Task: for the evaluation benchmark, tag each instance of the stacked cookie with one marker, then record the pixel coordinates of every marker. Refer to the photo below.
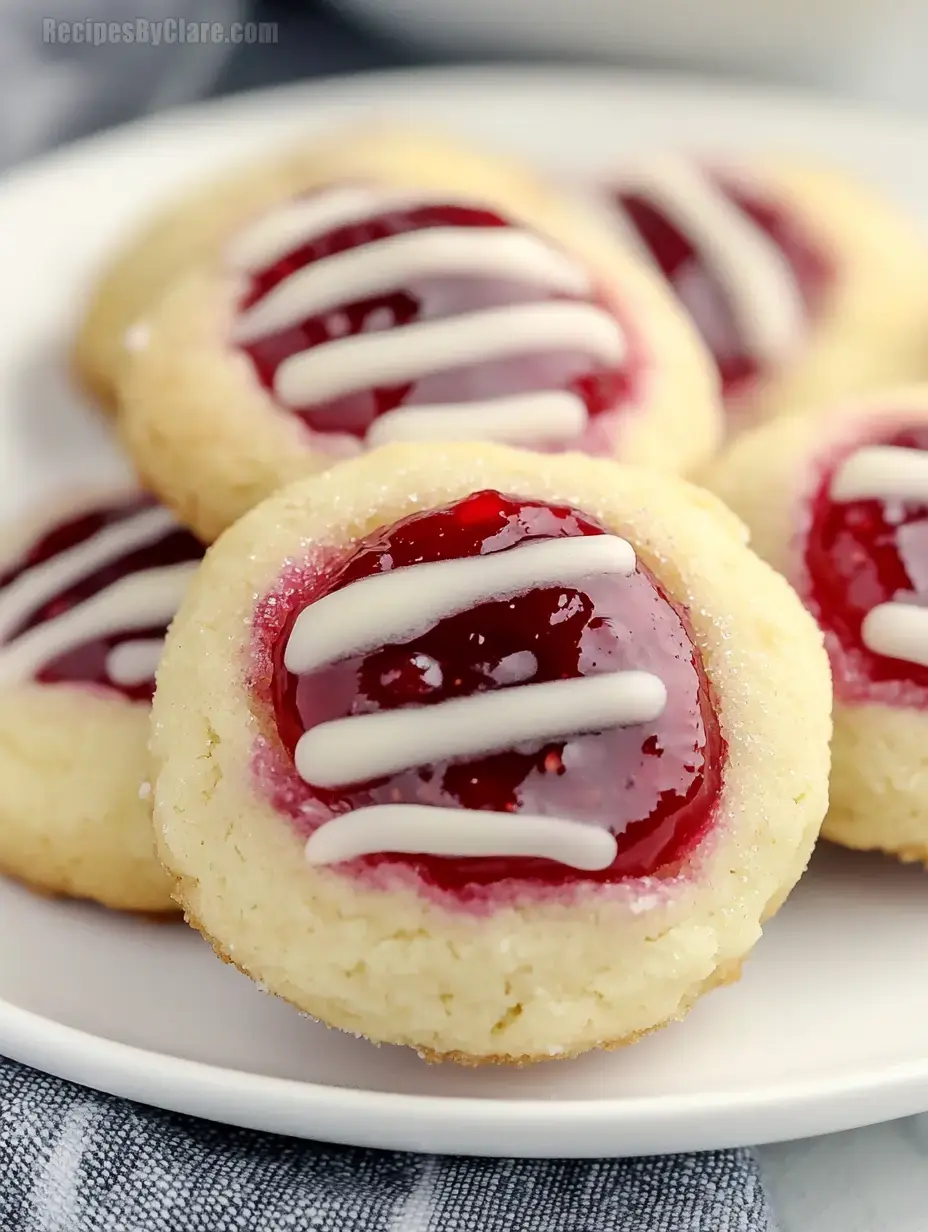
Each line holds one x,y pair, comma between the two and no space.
479,728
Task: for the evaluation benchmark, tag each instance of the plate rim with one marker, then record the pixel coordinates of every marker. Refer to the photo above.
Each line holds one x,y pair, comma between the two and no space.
201,1089
440,1123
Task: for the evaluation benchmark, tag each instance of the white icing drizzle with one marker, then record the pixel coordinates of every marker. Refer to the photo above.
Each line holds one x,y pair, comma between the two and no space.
410,352
552,418
402,604
376,269
882,472
347,365
37,585
761,286
890,473
136,601
418,829
282,231
898,631
132,663
367,746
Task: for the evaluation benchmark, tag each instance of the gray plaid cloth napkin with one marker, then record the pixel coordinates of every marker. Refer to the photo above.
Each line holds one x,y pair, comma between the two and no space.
72,1160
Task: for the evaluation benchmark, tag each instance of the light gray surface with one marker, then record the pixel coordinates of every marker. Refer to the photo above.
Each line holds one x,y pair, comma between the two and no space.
868,1180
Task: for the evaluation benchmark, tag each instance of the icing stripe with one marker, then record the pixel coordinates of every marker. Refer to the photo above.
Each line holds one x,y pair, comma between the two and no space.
368,746
764,295
37,585
417,829
276,234
402,604
132,663
521,419
882,472
344,365
137,601
410,352
898,631
386,265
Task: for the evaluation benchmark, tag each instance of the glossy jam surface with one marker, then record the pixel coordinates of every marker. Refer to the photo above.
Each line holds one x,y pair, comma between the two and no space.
699,292
860,554
656,785
86,664
425,299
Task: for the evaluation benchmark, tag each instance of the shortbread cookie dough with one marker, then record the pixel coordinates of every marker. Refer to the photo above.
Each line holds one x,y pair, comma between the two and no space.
87,589
497,755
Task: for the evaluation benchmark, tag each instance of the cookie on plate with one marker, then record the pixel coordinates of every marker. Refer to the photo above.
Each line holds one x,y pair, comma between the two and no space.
87,589
403,289
806,285
498,755
839,505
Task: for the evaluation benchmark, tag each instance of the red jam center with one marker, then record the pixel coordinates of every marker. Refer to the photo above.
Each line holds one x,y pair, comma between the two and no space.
699,291
87,662
424,299
860,554
655,785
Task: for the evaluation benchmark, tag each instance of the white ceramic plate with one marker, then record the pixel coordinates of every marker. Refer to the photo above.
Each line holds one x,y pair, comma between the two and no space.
828,1028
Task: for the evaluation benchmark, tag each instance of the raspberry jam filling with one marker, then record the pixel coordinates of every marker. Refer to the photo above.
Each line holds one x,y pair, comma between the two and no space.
859,555
90,600
404,269
654,784
699,288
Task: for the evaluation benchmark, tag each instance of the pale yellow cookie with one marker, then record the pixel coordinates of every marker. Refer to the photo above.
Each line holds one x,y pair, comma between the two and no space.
807,284
89,585
447,295
545,905
75,817
843,518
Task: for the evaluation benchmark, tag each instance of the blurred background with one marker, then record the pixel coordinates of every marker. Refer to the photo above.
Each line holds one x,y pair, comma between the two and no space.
55,85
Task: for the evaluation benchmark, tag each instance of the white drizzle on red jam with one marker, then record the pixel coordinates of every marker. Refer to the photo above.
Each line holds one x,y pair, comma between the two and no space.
650,782
397,318
866,566
88,601
739,262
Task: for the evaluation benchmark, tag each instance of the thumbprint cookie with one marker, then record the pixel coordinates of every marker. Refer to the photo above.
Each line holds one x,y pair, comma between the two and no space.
499,755
839,505
805,285
405,292
86,593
